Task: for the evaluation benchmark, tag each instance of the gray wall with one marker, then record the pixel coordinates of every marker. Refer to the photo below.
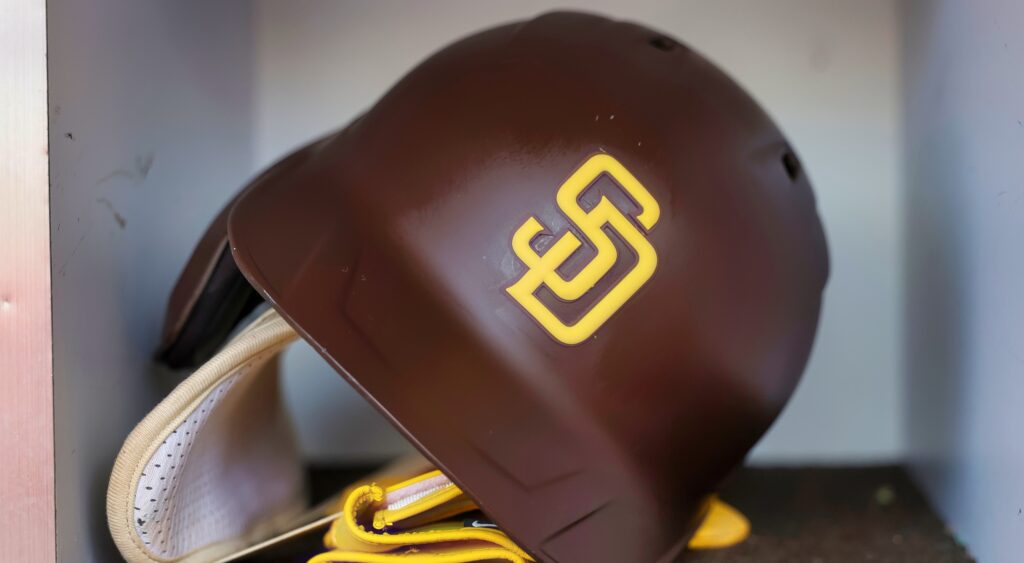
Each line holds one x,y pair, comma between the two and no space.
827,70
150,128
964,100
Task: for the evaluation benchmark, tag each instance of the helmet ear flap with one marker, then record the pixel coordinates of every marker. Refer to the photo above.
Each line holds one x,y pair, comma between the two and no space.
209,299
212,297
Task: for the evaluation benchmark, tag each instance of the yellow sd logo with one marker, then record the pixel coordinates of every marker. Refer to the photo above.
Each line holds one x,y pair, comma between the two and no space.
542,270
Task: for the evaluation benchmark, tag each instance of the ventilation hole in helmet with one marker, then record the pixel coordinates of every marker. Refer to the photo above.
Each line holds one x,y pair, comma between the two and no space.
663,43
792,165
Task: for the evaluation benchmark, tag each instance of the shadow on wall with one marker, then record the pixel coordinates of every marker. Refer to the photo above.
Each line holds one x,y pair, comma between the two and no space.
935,313
934,266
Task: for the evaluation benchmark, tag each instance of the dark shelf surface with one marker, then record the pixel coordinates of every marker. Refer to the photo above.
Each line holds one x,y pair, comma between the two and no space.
834,515
808,515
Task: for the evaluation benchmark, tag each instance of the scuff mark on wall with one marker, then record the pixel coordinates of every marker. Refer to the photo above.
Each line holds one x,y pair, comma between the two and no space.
136,174
64,265
118,218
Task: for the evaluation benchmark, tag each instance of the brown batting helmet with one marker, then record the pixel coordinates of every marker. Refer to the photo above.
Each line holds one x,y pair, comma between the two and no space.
571,260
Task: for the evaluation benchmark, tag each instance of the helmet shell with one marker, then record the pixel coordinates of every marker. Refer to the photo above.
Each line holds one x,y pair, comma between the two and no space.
412,250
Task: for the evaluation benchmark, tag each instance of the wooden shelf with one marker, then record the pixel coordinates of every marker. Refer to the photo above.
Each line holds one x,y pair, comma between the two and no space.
835,515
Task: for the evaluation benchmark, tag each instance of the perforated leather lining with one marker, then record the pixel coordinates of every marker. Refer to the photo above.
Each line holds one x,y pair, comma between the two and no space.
215,466
226,466
165,523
